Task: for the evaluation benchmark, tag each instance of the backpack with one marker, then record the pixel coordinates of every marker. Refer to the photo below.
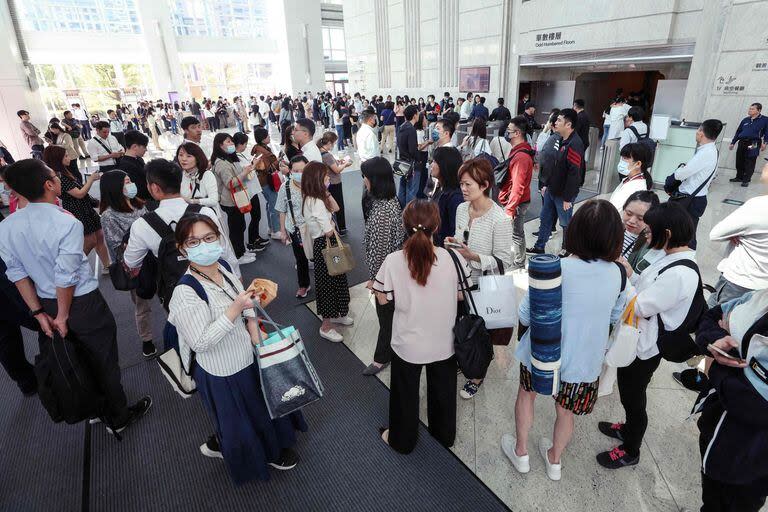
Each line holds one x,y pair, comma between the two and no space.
170,361
66,384
677,346
501,172
649,143
171,265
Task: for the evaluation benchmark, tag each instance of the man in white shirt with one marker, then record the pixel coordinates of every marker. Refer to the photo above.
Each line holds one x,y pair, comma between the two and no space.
697,175
303,134
367,140
466,108
619,109
82,117
163,183
104,148
636,128
116,127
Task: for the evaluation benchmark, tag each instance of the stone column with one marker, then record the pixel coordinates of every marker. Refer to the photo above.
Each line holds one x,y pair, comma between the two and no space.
160,41
305,45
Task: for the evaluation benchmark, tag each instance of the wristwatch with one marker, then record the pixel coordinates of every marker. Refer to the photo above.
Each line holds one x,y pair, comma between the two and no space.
37,312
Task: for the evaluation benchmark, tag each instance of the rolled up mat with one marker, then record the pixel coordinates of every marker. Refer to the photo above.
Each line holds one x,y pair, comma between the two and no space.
546,299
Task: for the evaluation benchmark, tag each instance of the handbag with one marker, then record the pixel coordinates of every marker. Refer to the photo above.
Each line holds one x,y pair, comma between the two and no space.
338,258
240,196
403,167
288,379
622,343
472,343
496,299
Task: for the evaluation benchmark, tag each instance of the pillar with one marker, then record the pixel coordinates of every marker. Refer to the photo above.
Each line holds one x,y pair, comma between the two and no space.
304,43
160,42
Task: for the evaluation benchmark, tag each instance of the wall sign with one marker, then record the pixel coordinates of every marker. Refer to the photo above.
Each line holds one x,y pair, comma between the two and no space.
760,66
549,39
728,84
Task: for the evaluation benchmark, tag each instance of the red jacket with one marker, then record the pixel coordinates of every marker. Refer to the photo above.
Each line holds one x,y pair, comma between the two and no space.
517,189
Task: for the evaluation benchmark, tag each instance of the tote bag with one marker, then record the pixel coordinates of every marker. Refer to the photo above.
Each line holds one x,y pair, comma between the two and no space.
496,300
240,197
622,347
338,258
288,379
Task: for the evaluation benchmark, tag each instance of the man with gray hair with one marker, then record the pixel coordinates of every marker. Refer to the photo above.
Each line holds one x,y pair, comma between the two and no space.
367,139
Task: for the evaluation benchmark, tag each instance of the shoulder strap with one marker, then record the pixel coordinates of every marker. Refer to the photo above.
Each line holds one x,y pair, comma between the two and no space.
193,208
193,283
623,275
224,263
462,278
108,150
701,186
634,130
685,262
158,224
290,203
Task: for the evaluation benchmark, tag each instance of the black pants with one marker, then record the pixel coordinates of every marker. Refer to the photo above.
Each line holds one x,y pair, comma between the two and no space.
92,324
696,209
85,129
302,264
213,123
37,151
13,359
385,313
253,227
236,225
404,403
338,194
745,165
722,497
633,382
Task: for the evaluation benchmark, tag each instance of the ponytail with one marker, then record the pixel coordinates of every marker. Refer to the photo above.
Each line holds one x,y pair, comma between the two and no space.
421,219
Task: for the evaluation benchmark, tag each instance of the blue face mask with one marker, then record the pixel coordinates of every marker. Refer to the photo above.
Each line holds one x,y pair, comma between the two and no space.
130,190
230,150
205,254
435,135
296,176
623,167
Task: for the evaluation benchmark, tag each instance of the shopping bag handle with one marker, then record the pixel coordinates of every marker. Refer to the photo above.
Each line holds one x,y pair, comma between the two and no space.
336,236
266,318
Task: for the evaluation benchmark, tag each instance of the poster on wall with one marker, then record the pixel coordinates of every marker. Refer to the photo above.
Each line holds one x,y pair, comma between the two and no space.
475,79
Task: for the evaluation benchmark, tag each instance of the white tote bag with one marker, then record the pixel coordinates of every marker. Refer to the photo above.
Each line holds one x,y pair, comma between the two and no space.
622,347
496,301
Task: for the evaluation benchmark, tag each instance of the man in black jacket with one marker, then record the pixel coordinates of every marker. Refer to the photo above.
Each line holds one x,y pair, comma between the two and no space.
582,125
408,149
564,182
500,113
133,162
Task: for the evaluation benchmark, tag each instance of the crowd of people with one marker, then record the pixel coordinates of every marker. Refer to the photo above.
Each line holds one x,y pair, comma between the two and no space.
446,212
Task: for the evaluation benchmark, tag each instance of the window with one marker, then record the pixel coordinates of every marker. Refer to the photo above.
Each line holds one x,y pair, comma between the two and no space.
333,44
112,16
228,79
220,18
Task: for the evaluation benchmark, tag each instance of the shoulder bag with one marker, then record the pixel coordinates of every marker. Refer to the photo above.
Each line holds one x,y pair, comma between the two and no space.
239,194
338,258
472,343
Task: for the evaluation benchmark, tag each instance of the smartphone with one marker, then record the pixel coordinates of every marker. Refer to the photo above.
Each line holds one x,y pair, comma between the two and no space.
723,353
454,245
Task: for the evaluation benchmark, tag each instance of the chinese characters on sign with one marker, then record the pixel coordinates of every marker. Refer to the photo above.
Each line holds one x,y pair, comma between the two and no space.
728,84
760,66
546,39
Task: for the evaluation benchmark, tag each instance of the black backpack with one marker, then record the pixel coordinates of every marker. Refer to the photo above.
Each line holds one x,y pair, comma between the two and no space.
501,172
677,345
65,383
646,141
171,265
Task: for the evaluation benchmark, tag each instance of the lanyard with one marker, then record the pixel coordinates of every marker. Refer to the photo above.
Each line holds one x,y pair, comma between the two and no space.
204,276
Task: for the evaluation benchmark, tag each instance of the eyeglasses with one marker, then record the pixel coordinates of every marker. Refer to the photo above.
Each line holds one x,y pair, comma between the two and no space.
194,242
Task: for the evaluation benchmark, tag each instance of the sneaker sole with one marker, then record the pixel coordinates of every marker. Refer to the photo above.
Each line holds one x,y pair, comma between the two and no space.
210,453
120,430
466,396
283,468
511,458
332,340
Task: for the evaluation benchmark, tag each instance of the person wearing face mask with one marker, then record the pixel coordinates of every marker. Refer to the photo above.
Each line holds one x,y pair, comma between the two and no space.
633,165
255,242
132,164
219,333
231,174
120,207
288,206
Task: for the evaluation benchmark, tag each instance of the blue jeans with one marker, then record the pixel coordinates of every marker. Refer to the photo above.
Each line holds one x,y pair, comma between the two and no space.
273,219
174,126
606,129
340,132
552,209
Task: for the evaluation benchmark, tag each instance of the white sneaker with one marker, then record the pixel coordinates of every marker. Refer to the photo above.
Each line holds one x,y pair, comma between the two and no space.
522,463
246,258
276,236
553,470
332,335
343,320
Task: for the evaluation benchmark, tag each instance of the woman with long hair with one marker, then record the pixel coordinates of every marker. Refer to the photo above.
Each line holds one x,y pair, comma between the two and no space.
231,175
119,207
423,282
59,137
198,182
288,205
476,143
255,242
446,192
633,165
384,234
221,332
637,236
210,117
318,207
325,145
152,124
266,165
75,199
338,122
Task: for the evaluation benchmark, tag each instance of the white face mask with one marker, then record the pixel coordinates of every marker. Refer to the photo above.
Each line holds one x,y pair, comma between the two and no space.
623,167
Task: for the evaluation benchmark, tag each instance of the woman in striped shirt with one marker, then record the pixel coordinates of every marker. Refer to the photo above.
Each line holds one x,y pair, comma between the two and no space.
217,330
483,234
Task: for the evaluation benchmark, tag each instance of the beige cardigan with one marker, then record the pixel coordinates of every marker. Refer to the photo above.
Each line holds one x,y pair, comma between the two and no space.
65,141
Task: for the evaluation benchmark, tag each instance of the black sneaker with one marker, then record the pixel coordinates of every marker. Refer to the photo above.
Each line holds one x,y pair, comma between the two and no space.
611,429
745,184
256,247
288,460
148,349
534,250
211,448
691,379
135,413
536,233
616,458
735,180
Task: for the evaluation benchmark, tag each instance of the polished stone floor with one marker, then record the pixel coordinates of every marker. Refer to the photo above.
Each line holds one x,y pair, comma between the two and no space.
667,477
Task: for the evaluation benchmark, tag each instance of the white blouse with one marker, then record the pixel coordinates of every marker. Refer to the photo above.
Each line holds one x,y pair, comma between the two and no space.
489,235
626,188
222,348
317,217
204,188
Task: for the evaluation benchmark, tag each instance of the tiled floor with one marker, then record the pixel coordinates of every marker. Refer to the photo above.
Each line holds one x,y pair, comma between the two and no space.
667,477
